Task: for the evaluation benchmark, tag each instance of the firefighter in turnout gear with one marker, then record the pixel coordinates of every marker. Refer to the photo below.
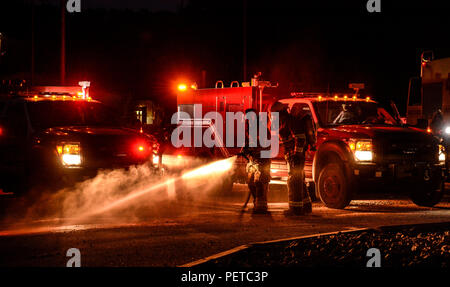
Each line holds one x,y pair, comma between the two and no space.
296,135
258,168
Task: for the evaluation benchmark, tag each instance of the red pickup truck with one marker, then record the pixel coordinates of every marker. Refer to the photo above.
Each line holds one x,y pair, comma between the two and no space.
359,142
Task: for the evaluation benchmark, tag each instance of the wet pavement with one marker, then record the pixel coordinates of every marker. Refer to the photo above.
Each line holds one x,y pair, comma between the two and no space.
193,230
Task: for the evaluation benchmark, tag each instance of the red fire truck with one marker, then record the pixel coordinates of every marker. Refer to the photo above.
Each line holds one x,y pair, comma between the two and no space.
257,95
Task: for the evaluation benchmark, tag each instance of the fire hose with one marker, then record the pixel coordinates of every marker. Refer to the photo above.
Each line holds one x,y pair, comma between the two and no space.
249,192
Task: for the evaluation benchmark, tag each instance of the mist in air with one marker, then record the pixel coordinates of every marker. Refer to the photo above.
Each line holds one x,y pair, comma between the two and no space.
126,195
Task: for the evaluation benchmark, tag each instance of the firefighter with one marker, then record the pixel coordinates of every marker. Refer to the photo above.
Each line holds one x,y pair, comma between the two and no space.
296,133
258,169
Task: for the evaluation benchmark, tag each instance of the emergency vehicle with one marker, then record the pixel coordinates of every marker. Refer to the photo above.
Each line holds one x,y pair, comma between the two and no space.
59,135
238,97
358,142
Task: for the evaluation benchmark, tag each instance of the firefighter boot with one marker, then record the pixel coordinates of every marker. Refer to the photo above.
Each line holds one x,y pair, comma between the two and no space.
261,199
307,206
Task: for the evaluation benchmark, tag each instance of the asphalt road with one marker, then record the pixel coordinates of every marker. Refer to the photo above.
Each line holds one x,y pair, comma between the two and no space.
191,231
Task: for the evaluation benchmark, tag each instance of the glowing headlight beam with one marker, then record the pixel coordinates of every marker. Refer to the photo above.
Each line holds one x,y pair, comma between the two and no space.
69,153
71,159
363,155
362,149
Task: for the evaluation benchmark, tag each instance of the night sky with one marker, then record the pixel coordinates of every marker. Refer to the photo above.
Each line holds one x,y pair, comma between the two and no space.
140,49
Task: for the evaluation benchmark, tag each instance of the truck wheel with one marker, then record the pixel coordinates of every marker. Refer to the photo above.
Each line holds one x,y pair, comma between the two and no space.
333,186
428,194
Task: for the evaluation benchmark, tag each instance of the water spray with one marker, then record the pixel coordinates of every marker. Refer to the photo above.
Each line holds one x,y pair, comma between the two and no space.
210,170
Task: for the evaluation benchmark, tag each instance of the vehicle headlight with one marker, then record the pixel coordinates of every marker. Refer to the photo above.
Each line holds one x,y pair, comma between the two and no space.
155,159
447,130
362,149
441,153
70,154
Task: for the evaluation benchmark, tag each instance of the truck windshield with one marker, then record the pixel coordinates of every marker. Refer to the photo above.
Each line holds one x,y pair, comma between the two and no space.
334,113
47,114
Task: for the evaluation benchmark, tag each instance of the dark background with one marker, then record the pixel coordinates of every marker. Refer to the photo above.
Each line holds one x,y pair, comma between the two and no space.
141,49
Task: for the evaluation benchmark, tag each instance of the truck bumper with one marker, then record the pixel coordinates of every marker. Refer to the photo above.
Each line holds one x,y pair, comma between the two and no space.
421,171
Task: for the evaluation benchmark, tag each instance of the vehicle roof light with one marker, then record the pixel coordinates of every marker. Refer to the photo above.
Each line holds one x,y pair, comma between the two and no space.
182,87
335,98
367,99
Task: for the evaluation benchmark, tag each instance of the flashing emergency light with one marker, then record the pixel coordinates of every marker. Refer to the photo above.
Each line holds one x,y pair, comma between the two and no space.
182,87
141,150
429,130
367,99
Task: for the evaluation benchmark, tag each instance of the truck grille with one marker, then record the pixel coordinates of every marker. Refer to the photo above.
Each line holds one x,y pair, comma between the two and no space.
387,151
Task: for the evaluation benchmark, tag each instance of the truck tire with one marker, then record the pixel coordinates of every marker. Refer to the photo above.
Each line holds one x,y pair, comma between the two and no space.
427,195
333,186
